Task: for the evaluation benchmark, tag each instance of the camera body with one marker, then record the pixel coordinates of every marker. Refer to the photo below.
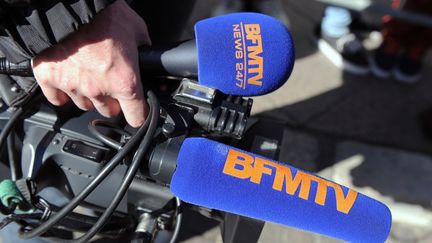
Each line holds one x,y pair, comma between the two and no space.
59,151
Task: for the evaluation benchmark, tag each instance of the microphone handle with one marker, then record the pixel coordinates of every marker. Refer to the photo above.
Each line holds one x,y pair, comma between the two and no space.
171,59
23,69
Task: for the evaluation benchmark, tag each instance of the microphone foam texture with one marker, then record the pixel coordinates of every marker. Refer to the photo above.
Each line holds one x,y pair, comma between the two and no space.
245,54
217,176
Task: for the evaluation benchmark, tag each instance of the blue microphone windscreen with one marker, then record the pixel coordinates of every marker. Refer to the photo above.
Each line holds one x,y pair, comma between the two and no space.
245,54
215,175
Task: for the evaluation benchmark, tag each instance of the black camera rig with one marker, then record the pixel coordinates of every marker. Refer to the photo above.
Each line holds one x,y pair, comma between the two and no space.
73,153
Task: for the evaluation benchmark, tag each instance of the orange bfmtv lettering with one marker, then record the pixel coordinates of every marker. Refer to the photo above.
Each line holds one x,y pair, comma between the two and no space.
244,166
248,50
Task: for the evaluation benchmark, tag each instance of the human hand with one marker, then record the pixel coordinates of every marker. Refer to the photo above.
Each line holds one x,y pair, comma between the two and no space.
97,66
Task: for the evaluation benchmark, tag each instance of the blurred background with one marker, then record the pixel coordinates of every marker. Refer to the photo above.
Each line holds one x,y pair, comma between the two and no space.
357,108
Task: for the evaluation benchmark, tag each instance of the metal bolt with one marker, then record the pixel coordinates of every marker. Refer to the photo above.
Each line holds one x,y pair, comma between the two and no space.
168,129
15,89
56,141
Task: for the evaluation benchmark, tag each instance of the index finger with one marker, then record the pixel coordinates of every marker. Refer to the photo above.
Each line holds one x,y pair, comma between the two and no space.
134,110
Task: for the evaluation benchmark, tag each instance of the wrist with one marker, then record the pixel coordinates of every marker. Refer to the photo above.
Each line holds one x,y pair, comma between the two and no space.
121,18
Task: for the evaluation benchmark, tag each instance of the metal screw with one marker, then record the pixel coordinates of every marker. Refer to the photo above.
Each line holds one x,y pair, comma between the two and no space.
168,129
15,89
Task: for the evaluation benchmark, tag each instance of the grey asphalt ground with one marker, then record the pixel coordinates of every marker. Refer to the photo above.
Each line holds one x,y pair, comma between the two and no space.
362,132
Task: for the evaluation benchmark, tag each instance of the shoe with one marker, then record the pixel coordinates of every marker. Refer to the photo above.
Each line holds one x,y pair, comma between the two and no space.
408,68
346,52
383,60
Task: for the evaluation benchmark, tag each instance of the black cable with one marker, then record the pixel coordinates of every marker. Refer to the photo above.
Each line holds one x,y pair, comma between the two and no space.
179,219
5,134
104,139
77,222
130,174
10,126
14,164
45,226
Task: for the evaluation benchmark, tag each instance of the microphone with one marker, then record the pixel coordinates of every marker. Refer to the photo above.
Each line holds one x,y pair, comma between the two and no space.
246,54
218,176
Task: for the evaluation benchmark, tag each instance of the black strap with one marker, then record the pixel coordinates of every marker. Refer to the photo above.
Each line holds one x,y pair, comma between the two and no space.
27,189
18,217
81,223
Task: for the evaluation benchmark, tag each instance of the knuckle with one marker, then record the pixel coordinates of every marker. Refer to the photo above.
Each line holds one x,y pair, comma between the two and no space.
93,94
43,74
91,91
127,85
105,65
69,87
